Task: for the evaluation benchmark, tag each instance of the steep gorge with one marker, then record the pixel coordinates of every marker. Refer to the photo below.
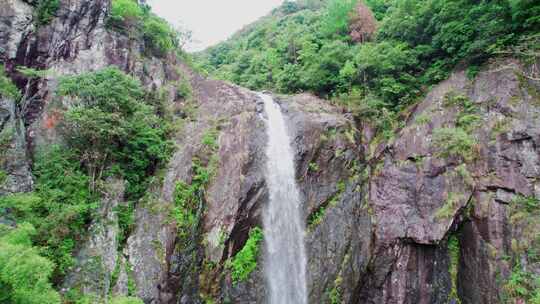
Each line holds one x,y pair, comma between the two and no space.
404,220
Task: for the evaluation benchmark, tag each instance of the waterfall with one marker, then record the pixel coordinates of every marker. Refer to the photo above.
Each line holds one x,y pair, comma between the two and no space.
285,260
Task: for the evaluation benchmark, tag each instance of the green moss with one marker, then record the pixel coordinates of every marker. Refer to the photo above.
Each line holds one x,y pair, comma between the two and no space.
317,216
449,207
528,203
454,254
188,198
423,119
210,138
464,173
245,261
131,284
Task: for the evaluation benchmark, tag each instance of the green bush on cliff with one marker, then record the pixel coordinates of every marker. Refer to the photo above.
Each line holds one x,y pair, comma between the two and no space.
454,142
245,261
7,88
46,10
24,274
112,122
159,37
187,200
125,13
60,208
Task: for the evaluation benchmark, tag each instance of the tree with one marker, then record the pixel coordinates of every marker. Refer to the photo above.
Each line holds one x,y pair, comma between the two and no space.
111,122
337,17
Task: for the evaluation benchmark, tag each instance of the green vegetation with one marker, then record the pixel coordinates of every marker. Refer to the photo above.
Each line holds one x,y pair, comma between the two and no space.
113,127
126,300
188,198
112,122
311,46
245,261
115,124
423,119
7,88
184,89
524,213
317,216
453,252
24,274
159,37
77,298
449,208
59,209
522,285
45,10
3,177
313,167
458,141
454,142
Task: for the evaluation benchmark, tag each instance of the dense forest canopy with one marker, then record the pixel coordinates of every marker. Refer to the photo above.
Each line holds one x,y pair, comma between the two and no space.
373,59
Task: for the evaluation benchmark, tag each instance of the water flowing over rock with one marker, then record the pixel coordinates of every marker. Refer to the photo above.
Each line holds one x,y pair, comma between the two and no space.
285,259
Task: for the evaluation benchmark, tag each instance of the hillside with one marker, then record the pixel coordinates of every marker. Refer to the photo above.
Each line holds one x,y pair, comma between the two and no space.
395,158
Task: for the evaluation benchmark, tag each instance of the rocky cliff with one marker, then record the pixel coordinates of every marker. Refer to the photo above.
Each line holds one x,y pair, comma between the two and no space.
432,215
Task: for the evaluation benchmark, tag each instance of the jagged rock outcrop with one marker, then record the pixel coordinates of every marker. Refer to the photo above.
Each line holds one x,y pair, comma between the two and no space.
379,215
420,198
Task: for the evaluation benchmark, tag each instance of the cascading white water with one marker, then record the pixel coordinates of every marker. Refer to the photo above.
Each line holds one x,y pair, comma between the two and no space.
285,260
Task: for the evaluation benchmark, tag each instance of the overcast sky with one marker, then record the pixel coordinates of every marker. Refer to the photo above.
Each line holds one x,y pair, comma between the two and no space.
212,21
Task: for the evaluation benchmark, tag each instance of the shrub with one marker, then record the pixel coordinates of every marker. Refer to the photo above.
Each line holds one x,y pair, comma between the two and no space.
158,35
24,274
245,261
60,208
454,142
183,89
46,10
7,88
125,13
